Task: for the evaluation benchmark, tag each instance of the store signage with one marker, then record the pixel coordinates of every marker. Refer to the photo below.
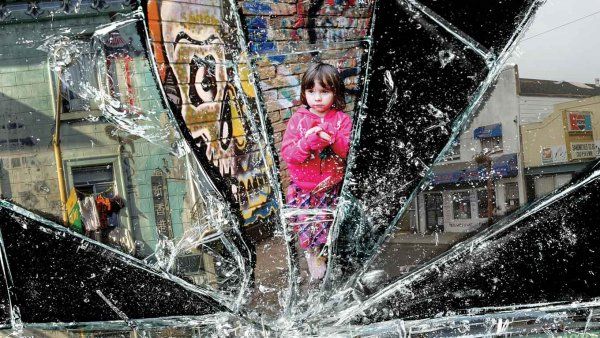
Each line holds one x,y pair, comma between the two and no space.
580,150
579,121
554,154
160,199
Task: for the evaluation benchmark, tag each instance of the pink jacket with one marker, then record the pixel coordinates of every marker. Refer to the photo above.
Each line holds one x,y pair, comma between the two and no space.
308,169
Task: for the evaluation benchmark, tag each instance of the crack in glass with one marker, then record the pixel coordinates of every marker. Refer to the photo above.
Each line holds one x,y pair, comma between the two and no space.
158,161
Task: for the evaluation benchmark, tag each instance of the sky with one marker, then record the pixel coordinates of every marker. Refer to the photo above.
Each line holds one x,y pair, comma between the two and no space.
568,53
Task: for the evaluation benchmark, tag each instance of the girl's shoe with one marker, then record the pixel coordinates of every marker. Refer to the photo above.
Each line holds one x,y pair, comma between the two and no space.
317,265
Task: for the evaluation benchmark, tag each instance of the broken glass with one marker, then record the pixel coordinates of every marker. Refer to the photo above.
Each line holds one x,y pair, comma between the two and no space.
394,154
107,285
121,150
532,240
144,190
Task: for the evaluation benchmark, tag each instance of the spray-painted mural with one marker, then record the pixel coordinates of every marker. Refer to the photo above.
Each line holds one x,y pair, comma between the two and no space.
197,72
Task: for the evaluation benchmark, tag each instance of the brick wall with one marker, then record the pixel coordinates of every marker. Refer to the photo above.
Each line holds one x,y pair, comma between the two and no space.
285,36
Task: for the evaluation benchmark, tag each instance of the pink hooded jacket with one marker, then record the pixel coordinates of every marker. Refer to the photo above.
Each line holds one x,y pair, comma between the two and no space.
308,169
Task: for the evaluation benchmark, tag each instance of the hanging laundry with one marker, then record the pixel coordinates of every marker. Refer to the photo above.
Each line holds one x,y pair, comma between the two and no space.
113,220
122,238
89,213
74,212
104,210
116,204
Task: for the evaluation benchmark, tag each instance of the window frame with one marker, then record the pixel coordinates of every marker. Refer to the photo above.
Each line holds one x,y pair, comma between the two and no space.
468,195
95,184
55,82
509,208
120,184
485,208
499,148
438,209
452,154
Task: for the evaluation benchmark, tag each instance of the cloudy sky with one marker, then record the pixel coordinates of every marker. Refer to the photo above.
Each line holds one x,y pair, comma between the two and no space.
569,53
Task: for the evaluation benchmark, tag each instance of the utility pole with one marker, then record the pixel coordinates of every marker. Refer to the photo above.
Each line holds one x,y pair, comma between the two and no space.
60,173
484,158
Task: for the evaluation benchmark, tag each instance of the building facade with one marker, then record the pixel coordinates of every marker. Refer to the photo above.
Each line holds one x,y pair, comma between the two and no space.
561,145
519,122
82,118
457,201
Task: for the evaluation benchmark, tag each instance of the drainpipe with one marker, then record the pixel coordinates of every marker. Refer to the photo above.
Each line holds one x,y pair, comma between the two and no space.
60,173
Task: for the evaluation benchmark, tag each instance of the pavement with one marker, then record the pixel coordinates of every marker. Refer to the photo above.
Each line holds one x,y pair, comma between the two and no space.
402,252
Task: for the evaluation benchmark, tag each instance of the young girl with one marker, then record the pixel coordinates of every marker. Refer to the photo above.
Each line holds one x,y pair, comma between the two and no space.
315,146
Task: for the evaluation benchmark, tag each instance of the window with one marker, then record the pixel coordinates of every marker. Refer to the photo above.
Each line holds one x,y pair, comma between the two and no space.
461,205
511,191
548,183
482,203
78,81
434,212
491,143
91,180
544,185
454,151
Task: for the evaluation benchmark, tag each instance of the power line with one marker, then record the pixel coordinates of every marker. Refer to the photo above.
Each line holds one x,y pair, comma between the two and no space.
563,25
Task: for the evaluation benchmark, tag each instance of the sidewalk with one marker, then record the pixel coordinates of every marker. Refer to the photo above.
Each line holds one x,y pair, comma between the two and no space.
400,254
444,238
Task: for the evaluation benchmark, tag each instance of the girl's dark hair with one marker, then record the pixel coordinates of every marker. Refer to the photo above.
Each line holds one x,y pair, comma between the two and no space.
328,77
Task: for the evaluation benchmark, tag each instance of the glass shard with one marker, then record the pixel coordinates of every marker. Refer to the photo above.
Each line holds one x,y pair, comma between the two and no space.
60,276
394,152
476,274
504,19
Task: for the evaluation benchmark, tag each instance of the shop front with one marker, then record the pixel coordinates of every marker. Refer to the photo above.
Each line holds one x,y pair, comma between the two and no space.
458,200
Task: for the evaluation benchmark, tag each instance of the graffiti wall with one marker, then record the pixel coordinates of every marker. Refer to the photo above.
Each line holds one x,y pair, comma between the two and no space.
283,37
198,64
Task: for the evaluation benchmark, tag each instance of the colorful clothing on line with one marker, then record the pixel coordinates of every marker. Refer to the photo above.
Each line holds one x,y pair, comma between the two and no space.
89,213
104,210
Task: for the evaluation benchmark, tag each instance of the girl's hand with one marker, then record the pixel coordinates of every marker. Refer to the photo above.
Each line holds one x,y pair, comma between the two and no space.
313,130
324,136
315,142
329,130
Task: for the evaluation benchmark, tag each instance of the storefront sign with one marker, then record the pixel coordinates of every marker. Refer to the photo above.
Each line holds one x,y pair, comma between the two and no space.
502,166
580,150
492,130
579,121
554,154
160,199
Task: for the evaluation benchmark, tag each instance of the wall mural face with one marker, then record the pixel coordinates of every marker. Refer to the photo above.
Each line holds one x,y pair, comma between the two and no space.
197,74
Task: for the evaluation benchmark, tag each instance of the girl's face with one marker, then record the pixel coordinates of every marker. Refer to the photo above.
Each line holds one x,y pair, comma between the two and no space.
319,98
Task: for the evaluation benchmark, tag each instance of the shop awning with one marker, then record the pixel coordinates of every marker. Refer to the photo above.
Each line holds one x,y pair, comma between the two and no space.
502,166
505,166
492,130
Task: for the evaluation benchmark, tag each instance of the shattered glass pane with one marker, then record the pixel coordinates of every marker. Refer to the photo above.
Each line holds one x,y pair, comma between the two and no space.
395,154
106,285
127,178
147,188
